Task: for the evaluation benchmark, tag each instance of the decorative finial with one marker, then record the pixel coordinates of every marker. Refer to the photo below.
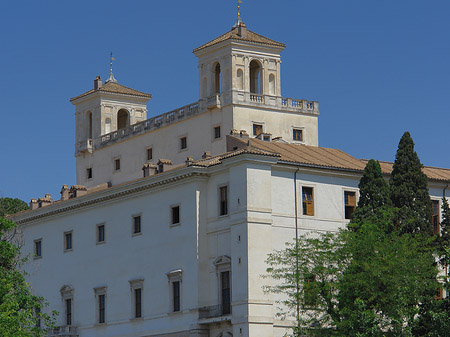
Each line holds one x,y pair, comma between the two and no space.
111,75
238,20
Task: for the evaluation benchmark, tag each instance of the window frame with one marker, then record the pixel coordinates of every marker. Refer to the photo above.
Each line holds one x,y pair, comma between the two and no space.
133,224
65,241
89,174
305,208
174,277
67,295
172,207
149,150
253,128
436,216
355,195
97,233
183,142
137,284
101,313
217,134
36,243
302,134
221,211
117,164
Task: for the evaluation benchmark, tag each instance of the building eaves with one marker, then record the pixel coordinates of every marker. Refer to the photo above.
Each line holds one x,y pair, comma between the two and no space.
114,88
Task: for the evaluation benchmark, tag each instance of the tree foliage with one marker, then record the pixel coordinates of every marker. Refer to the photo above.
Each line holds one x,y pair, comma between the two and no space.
409,190
20,311
11,206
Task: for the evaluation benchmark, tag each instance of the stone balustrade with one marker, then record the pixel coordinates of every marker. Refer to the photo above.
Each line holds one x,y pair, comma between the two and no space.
216,101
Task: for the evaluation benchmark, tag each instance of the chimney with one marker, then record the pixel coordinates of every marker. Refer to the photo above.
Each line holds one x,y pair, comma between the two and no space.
33,204
163,164
45,201
149,169
267,137
65,193
77,191
243,134
98,83
206,154
189,161
242,30
234,132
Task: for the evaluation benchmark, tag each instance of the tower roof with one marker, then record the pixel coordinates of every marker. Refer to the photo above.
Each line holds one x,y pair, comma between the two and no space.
114,88
236,34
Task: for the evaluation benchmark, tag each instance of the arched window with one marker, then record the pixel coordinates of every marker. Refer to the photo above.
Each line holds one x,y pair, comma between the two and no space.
255,77
217,78
272,84
107,125
240,79
123,119
89,117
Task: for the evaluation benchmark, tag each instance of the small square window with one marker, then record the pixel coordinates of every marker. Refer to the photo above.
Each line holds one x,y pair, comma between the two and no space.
217,132
297,134
183,143
257,129
149,153
38,248
68,241
117,164
175,215
136,224
89,172
100,233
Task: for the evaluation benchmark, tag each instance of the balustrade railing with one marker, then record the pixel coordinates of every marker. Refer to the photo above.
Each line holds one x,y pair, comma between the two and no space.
195,108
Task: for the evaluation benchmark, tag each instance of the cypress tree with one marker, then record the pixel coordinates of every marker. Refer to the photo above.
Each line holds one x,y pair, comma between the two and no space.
409,191
444,239
374,203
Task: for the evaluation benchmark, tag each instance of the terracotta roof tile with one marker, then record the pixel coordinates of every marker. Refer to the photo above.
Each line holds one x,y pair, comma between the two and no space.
250,37
434,173
115,88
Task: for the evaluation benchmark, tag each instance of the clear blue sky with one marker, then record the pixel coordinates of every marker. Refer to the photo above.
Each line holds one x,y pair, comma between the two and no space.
378,68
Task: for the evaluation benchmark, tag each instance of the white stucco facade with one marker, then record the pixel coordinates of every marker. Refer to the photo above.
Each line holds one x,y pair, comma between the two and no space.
158,255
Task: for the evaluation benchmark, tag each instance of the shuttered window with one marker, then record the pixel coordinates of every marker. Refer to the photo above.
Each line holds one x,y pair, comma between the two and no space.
308,201
350,203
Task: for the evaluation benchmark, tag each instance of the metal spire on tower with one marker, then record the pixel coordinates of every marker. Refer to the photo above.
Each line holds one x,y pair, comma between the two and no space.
238,20
111,75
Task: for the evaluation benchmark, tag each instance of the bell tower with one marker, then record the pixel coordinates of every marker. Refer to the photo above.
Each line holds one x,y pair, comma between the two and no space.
240,60
104,110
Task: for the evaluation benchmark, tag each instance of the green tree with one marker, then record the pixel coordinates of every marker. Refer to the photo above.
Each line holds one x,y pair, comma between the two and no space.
20,311
374,202
444,239
409,191
11,206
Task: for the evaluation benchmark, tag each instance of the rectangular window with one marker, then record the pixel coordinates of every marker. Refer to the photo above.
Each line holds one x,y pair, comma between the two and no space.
257,129
69,311
183,143
223,195
38,248
175,215
226,292
350,203
101,233
89,172
310,291
138,303
176,295
67,240
101,308
136,224
149,153
117,164
436,217
308,201
217,132
297,134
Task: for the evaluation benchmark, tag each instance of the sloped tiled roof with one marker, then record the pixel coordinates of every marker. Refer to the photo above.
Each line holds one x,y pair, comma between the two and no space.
214,160
115,88
233,34
435,173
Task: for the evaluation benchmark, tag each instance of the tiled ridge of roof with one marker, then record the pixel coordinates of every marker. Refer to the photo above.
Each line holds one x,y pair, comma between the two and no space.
115,88
435,173
250,37
310,155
